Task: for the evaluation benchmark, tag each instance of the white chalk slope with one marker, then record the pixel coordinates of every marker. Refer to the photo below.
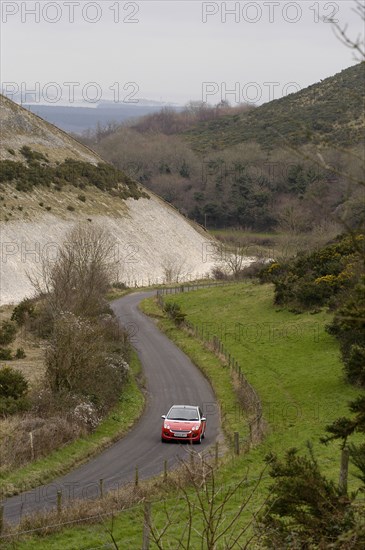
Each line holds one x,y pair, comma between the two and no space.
154,243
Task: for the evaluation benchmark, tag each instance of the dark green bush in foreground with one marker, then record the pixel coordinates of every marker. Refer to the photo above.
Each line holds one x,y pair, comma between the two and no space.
7,333
13,391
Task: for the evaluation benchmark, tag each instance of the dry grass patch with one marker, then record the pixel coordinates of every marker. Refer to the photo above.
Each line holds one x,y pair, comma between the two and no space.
24,439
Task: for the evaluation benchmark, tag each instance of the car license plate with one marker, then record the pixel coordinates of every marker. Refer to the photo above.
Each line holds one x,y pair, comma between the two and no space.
180,435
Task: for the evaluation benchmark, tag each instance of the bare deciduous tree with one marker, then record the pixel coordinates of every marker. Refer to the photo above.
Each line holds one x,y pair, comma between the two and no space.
231,260
79,277
356,44
174,269
213,513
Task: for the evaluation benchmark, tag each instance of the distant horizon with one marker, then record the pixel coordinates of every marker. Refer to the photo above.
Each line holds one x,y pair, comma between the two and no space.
145,101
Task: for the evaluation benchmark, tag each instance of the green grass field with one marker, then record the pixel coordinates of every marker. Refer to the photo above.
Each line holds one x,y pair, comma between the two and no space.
292,363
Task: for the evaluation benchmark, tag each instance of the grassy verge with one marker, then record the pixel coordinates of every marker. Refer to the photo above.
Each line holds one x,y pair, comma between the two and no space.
116,293
114,426
292,363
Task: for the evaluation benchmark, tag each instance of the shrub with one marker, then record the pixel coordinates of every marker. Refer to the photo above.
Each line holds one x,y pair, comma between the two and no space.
7,333
32,155
78,362
173,310
219,274
319,278
253,270
86,414
13,391
304,508
348,326
38,171
20,353
120,285
10,170
70,208
23,311
82,198
6,354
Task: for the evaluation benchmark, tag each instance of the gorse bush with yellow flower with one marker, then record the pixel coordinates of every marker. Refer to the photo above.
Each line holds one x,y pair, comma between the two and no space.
319,278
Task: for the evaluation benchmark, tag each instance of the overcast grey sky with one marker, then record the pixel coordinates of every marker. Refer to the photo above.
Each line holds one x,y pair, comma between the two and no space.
172,50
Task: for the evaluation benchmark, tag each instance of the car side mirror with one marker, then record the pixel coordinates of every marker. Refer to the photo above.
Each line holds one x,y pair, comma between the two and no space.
163,416
203,419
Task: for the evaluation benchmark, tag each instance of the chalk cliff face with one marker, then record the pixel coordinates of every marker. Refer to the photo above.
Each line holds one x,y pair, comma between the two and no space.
154,241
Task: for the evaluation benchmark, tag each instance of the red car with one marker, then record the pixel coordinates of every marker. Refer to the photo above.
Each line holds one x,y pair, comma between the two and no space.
184,423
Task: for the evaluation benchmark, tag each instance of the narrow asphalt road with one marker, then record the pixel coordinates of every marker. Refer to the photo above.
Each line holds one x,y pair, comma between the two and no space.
170,378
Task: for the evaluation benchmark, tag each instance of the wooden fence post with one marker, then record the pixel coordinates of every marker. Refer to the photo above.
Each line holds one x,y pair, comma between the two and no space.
146,525
165,470
236,443
59,502
344,470
136,477
192,460
1,519
101,487
31,442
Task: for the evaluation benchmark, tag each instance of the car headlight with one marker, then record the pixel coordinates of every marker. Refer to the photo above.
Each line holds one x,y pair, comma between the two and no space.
195,427
167,426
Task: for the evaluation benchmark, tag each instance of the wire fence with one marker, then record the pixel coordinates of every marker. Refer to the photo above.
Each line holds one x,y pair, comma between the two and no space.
250,400
178,289
131,281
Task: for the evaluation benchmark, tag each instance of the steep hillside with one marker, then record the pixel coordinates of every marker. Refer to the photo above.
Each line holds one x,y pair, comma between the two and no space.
330,112
40,201
20,128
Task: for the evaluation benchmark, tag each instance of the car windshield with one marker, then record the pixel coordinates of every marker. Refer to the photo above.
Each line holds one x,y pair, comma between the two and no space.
180,413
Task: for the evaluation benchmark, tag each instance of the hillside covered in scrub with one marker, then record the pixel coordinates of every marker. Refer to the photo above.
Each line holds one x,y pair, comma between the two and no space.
288,165
49,182
329,113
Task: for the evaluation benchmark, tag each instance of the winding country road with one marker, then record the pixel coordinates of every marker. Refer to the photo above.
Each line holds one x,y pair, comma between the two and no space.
170,378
